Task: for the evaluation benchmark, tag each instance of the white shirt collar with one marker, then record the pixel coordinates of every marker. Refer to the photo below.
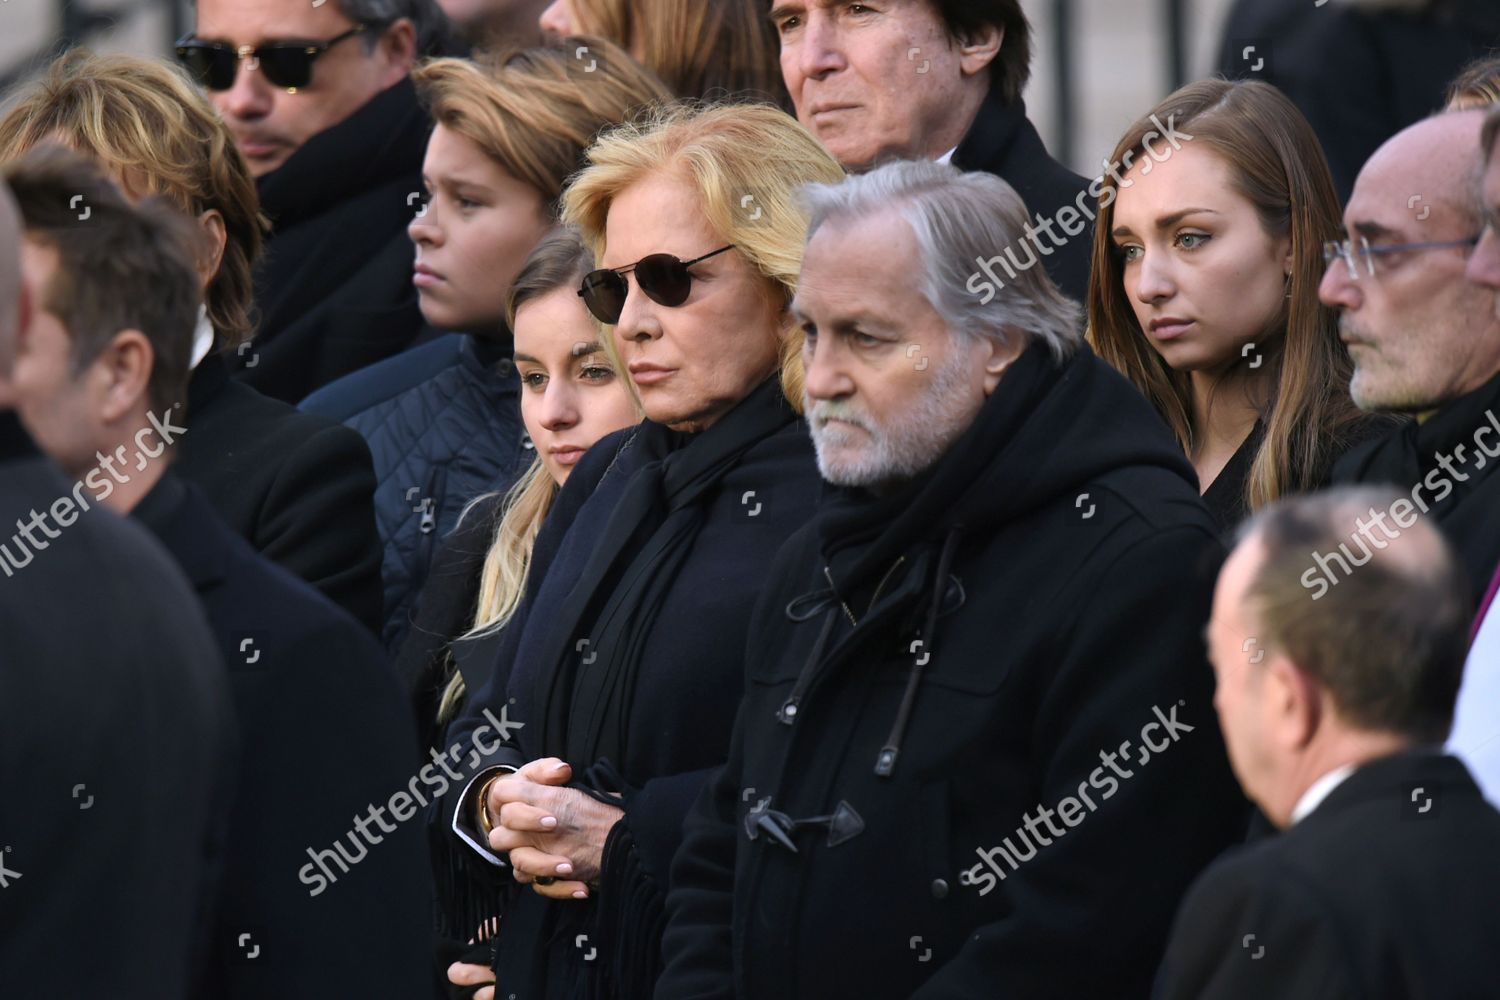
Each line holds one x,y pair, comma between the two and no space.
203,337
1318,791
948,156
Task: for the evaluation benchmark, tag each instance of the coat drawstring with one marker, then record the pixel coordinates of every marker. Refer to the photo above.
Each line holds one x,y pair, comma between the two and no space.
922,648
787,714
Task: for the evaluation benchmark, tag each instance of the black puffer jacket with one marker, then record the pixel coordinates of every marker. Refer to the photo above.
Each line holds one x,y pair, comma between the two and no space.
1028,638
443,421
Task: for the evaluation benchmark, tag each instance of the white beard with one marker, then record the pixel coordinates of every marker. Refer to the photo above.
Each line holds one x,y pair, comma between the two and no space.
911,443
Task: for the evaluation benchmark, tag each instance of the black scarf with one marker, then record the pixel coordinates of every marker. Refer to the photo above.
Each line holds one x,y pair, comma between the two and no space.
595,643
1047,428
381,142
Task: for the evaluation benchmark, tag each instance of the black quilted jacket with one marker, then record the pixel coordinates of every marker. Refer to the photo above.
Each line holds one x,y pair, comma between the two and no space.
443,421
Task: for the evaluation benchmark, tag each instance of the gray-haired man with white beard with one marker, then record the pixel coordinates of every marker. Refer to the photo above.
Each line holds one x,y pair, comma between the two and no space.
956,762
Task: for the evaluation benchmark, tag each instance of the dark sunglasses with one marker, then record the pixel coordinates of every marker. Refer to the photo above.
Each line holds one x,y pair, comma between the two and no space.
285,64
665,280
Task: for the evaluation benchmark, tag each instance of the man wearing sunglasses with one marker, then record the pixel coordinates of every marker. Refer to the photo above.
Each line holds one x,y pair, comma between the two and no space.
318,98
1424,339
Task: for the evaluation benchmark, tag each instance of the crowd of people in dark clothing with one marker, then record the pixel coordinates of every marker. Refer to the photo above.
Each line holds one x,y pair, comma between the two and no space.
687,499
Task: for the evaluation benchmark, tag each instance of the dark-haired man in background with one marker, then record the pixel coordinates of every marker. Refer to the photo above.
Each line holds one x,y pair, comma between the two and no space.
934,80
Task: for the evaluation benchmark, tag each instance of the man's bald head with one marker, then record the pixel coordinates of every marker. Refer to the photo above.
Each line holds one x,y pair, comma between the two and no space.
1420,333
12,298
1439,159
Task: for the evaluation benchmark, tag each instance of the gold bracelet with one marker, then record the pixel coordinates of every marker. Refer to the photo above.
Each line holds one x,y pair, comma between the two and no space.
485,822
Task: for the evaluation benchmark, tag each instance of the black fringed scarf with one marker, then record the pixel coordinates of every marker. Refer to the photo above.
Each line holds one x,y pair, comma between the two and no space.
596,641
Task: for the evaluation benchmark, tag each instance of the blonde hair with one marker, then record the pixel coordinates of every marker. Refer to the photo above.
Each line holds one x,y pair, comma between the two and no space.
703,49
748,163
560,260
147,124
1477,87
534,111
502,581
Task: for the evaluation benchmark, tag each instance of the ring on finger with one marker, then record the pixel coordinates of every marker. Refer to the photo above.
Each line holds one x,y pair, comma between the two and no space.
544,879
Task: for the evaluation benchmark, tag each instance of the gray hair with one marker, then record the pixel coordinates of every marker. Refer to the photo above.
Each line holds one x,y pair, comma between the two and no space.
379,13
960,221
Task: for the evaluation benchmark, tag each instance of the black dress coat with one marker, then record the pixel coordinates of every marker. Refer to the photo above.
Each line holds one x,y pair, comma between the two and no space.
678,710
116,748
1466,500
299,488
1002,141
334,288
1386,891
324,736
1029,634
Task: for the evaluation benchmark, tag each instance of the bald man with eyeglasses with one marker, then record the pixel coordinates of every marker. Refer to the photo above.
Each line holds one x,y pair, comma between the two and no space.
1424,338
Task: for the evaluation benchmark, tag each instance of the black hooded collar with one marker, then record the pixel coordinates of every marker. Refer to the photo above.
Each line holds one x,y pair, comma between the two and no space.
1048,429
381,142
15,443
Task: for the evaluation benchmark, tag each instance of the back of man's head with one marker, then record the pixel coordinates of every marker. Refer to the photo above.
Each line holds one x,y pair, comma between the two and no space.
1386,641
119,266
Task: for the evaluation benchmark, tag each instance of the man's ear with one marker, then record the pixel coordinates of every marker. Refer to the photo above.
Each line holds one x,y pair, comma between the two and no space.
124,369
997,355
1294,701
215,236
399,46
978,49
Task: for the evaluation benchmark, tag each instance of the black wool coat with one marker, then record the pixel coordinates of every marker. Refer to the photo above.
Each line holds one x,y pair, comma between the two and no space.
116,746
1002,141
1029,635
1385,891
299,488
1463,495
324,736
334,287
